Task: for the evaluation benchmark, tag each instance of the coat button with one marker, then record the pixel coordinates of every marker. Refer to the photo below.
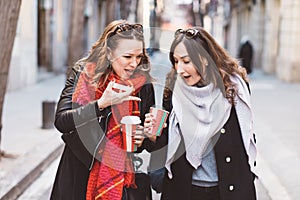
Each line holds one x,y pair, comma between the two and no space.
228,159
231,187
222,130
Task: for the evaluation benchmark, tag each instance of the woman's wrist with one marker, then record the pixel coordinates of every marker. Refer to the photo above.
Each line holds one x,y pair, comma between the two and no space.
101,104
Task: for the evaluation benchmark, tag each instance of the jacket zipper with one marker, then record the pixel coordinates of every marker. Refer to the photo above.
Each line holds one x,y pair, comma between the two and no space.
95,151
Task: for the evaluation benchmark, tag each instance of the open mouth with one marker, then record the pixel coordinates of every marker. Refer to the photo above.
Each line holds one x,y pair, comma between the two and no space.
186,76
129,71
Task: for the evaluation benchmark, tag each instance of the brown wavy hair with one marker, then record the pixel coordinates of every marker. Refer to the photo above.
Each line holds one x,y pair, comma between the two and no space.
218,68
109,40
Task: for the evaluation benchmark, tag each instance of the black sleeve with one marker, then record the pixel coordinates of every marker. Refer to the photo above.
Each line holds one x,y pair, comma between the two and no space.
79,124
159,149
148,99
70,116
162,141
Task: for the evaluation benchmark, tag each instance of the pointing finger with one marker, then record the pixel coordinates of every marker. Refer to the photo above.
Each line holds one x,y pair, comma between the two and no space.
132,98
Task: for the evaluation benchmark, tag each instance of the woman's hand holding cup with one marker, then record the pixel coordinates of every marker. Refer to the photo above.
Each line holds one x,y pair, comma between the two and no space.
139,135
148,126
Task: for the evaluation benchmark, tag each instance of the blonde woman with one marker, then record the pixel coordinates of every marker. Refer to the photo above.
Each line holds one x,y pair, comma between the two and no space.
93,164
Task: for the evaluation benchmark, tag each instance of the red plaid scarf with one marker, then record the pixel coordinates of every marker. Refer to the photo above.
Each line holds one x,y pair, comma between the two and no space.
108,177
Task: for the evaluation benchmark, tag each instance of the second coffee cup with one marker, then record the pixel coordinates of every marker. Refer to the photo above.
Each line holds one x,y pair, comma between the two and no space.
160,116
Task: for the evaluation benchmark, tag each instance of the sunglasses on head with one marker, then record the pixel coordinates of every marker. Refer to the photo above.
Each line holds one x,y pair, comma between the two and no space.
189,33
123,28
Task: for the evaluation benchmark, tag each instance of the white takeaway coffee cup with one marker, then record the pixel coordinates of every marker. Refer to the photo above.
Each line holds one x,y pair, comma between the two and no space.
129,125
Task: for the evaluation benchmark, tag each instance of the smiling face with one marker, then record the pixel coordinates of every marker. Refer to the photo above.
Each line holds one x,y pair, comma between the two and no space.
126,57
184,66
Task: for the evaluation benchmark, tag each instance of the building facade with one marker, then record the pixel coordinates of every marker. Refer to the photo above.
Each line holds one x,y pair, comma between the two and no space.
271,26
41,42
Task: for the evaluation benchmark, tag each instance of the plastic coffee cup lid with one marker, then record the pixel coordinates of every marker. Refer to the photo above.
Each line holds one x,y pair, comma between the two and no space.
131,120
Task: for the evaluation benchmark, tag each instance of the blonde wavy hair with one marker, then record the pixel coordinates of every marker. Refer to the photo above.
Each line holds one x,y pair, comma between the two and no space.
109,40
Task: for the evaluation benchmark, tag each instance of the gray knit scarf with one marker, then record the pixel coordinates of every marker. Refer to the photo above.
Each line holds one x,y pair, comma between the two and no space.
197,116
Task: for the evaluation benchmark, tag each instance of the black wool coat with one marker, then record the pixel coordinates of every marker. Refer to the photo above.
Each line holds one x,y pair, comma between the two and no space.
236,181
82,129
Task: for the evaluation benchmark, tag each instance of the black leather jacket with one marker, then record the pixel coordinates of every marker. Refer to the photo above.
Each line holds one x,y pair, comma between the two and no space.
84,127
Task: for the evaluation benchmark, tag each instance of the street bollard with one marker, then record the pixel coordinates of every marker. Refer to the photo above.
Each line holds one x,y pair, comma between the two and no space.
48,114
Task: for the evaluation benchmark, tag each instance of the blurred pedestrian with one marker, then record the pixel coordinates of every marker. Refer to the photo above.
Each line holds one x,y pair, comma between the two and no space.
93,164
246,53
155,19
211,146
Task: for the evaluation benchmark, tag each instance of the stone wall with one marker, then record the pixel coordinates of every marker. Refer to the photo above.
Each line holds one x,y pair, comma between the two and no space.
23,65
288,62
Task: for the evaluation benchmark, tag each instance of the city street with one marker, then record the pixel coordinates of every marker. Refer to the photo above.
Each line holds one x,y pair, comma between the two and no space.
41,187
276,119
43,45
